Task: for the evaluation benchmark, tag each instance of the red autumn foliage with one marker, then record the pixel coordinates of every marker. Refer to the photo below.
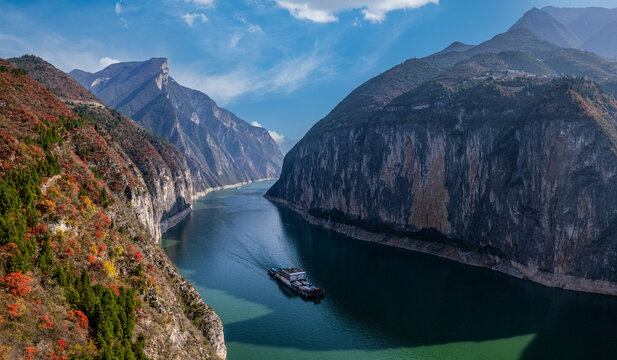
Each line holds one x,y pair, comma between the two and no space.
47,321
13,310
31,353
62,344
137,255
114,288
80,318
69,251
17,283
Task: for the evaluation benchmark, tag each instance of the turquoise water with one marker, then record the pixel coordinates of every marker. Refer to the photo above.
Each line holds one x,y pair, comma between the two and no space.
381,302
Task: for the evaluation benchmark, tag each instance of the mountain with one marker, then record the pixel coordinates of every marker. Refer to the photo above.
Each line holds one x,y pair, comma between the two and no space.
372,96
221,149
487,156
157,162
589,29
543,24
455,47
80,274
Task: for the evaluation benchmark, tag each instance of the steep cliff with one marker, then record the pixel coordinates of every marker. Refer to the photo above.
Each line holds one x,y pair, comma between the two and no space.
221,149
480,157
156,163
79,274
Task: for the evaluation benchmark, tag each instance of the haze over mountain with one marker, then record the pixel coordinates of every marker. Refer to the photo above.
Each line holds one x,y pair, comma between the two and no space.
484,155
590,29
221,148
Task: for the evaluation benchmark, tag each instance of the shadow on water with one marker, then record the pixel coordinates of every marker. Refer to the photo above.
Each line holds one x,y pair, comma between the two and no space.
378,297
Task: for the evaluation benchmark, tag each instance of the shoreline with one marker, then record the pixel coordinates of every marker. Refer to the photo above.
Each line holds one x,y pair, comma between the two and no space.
473,258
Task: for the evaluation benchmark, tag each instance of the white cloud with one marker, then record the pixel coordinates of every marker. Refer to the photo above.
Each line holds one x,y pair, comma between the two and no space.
106,61
189,18
252,29
118,8
201,3
235,38
285,76
255,29
278,138
322,11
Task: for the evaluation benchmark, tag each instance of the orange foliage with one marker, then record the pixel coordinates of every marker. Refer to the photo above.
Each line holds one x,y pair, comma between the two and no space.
31,353
17,283
13,310
80,318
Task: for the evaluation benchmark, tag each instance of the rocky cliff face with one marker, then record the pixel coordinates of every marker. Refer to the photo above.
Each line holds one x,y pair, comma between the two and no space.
166,191
221,149
483,164
521,174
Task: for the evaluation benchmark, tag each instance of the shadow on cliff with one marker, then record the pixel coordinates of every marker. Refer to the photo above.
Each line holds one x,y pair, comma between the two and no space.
399,299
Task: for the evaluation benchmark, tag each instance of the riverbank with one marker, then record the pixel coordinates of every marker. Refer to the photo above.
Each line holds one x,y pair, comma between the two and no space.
473,258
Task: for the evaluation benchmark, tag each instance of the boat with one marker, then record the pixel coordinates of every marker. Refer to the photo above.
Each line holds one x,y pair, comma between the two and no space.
295,279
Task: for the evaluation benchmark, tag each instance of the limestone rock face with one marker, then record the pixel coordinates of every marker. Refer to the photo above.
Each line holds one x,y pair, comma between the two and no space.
483,154
521,171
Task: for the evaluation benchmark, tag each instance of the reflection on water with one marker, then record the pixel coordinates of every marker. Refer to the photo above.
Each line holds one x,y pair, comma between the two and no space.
381,302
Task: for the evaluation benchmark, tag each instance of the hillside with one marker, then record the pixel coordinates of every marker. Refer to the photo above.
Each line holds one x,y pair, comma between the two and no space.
221,149
158,163
80,276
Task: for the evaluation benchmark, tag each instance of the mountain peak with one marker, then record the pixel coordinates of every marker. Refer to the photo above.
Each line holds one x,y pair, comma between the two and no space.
547,27
55,80
456,46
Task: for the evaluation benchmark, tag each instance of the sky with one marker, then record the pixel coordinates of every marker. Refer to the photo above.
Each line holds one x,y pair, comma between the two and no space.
282,64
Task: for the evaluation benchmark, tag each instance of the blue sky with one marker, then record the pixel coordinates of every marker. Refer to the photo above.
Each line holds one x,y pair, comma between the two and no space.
282,63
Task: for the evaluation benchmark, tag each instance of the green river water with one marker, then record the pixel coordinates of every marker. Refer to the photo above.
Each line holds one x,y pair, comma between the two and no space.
381,302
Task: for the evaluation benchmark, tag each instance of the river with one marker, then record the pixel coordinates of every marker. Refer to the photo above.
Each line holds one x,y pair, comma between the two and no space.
381,302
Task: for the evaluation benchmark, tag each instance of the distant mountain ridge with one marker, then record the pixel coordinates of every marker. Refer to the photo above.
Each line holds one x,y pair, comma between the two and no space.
221,148
588,29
